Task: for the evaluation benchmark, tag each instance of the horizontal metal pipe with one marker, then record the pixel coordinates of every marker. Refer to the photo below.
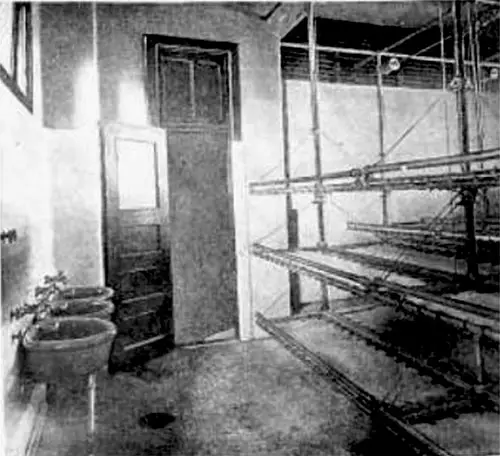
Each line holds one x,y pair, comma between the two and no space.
385,54
489,2
411,269
480,178
372,227
432,162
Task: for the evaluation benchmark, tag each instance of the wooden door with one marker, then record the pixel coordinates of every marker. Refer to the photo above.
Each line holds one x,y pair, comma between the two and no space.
192,95
137,240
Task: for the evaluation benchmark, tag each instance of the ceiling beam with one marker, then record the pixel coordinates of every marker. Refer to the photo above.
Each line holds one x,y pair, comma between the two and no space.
268,15
243,7
286,16
493,57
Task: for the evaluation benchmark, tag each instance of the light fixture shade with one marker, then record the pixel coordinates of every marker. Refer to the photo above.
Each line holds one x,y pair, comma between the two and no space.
394,64
391,66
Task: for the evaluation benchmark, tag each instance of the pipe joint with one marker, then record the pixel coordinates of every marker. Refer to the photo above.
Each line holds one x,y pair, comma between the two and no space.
319,193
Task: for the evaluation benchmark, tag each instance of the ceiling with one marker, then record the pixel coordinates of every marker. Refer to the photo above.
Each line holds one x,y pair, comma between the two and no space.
398,19
409,14
401,14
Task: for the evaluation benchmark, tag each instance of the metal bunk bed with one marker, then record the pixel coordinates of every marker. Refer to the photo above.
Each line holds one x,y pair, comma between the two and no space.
481,322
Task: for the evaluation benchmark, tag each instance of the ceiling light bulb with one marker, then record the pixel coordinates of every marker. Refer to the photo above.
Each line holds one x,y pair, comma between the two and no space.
394,64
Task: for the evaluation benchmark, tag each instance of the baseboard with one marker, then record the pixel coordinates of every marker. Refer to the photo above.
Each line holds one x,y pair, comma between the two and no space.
23,434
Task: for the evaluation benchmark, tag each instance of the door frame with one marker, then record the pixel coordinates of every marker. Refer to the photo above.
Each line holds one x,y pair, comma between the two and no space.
151,44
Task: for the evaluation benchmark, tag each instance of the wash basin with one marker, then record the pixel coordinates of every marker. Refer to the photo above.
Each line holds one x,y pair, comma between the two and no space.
85,293
84,301
61,348
83,308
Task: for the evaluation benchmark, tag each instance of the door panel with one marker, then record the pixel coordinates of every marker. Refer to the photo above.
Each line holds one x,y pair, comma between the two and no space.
202,229
208,91
137,239
178,73
193,87
203,254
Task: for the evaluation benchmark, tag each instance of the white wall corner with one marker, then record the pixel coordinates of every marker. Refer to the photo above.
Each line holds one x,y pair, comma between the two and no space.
241,217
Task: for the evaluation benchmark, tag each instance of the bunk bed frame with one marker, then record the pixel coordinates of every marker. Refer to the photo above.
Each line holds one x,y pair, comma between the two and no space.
382,176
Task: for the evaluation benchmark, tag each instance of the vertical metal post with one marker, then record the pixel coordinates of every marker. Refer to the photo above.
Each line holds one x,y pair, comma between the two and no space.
313,76
91,415
474,48
380,111
441,35
478,87
291,213
479,358
469,195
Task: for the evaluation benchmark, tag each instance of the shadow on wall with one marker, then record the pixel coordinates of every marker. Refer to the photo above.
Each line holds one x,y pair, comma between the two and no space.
16,263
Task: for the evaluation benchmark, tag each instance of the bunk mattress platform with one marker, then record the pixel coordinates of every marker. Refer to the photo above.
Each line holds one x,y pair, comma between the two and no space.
417,408
389,288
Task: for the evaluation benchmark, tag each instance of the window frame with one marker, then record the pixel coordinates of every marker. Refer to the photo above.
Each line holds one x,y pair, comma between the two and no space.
11,80
150,44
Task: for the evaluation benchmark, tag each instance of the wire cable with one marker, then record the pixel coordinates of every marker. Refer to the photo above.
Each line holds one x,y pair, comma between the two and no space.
414,125
278,227
435,223
426,27
276,299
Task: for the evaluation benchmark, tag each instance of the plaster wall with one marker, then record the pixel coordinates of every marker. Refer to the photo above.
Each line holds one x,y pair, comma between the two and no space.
77,204
26,207
67,50
350,138
123,97
71,114
116,50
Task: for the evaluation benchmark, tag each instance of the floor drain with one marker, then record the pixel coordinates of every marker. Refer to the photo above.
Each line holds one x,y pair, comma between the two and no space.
156,420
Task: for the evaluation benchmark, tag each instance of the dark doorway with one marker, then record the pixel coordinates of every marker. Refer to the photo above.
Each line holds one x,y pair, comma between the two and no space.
190,94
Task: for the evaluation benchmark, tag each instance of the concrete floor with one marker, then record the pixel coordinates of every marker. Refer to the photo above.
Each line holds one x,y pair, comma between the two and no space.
254,399
234,399
257,399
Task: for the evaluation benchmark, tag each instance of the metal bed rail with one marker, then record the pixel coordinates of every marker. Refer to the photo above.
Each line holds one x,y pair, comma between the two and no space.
386,291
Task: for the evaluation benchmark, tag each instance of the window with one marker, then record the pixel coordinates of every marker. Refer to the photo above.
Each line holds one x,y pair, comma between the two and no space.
16,62
199,78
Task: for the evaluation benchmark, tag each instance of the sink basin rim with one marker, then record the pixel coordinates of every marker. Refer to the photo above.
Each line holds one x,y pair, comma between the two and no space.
103,293
30,341
93,307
